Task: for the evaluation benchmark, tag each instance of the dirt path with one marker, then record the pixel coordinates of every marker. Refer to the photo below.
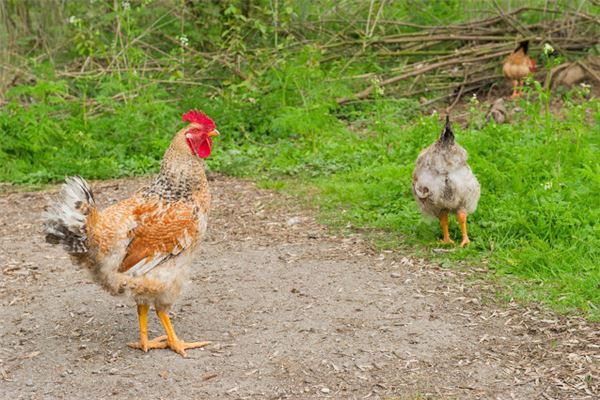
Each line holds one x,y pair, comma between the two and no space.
293,312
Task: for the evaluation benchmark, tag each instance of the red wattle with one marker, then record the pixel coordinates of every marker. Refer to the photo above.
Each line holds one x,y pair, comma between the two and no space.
201,146
205,148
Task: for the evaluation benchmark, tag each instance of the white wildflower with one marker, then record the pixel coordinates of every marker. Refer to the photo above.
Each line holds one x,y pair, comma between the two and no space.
374,81
585,85
548,49
126,5
183,39
474,99
547,185
73,19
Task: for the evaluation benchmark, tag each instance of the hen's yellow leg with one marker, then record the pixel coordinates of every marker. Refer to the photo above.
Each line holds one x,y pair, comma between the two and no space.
520,85
145,344
462,221
179,346
444,223
515,94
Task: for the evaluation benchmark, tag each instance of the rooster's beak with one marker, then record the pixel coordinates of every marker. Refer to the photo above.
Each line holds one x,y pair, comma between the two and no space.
213,133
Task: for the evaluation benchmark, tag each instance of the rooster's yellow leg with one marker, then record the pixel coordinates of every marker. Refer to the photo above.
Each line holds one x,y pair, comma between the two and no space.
462,221
179,346
444,223
144,344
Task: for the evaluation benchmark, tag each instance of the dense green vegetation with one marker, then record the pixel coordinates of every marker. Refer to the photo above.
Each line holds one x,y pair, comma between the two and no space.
102,94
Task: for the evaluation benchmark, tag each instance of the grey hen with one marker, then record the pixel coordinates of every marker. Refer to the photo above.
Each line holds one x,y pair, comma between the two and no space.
444,183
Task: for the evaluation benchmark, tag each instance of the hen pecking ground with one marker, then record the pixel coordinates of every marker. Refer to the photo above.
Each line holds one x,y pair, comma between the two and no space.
293,312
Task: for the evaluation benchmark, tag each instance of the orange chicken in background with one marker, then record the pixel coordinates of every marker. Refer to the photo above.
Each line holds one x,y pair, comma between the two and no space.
143,246
517,66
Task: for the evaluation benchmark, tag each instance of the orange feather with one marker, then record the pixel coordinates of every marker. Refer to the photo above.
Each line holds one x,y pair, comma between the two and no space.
162,229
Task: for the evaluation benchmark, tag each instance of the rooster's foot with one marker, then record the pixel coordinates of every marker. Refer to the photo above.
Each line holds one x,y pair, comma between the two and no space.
162,342
465,242
179,346
145,345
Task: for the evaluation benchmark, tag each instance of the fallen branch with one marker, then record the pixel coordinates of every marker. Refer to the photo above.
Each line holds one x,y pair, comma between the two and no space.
367,92
479,51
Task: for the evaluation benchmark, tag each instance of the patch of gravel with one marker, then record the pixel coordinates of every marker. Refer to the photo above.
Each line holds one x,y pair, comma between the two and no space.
293,311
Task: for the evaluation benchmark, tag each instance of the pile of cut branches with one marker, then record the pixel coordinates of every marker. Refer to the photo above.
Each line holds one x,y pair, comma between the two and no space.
230,47
463,58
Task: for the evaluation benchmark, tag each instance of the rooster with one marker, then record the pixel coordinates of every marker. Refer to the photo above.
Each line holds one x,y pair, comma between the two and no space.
443,182
517,66
143,246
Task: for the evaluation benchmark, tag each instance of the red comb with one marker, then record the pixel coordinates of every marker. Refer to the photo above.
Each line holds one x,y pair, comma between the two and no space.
198,117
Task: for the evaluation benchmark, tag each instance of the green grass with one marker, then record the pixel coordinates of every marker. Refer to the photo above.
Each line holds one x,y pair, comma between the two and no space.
54,136
538,214
539,211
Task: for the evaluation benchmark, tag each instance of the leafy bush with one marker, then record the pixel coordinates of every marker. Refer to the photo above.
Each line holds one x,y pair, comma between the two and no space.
53,135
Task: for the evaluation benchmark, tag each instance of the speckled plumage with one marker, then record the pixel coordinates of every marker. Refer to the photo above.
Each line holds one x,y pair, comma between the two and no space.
442,180
144,245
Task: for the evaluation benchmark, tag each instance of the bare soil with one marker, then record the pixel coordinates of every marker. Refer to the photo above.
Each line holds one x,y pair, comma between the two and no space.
293,312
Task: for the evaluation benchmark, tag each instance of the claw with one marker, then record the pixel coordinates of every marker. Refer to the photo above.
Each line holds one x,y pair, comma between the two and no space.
173,343
168,341
145,345
179,346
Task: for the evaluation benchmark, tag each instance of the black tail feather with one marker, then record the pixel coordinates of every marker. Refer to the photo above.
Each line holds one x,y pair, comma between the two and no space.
64,220
523,45
447,136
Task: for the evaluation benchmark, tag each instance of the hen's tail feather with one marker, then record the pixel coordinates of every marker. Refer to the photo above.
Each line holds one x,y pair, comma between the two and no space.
64,220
